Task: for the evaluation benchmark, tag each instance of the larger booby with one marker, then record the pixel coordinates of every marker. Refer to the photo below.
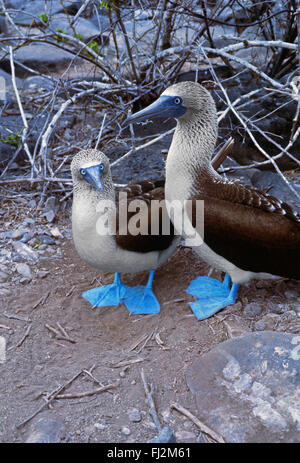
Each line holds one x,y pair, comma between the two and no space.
101,236
247,233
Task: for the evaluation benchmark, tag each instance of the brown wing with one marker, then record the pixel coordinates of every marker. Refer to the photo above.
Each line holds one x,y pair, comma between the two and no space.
147,219
250,228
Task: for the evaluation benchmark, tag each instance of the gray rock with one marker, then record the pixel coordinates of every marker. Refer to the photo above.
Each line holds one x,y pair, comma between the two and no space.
50,209
39,82
17,234
47,430
165,436
3,277
252,310
134,415
125,430
41,57
5,292
45,239
25,252
83,26
26,237
33,9
290,293
29,220
24,270
259,405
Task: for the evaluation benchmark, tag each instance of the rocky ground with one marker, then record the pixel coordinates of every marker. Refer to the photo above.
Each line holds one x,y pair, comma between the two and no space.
73,374
52,334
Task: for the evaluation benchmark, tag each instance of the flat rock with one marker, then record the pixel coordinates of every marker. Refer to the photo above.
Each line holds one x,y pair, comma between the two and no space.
250,389
24,270
24,251
46,430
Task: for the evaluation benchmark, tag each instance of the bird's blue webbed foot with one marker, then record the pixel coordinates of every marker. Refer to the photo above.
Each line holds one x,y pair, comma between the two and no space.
108,295
141,299
212,295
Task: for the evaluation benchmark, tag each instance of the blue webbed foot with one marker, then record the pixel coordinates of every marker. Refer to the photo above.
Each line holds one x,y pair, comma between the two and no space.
141,299
108,295
212,295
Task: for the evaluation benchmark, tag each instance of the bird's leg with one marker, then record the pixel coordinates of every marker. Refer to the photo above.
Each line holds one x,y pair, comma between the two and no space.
212,295
106,295
141,299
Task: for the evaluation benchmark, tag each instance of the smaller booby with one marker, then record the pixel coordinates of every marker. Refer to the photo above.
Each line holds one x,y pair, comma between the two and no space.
247,233
103,238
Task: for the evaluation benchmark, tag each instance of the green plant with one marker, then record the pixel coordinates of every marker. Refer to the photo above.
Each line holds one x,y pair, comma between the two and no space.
13,139
44,18
94,46
61,39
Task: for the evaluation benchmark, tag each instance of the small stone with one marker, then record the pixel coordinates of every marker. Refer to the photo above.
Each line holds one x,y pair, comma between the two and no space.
56,233
126,431
24,251
267,322
24,270
43,273
17,234
290,293
252,310
45,239
185,435
134,415
280,308
26,237
100,426
165,436
5,292
3,277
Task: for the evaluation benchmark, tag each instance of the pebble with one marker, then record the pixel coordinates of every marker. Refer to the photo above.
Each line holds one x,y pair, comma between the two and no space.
290,293
267,322
165,436
17,234
185,435
100,426
25,251
252,310
43,273
24,270
5,292
134,415
3,277
26,237
126,431
45,239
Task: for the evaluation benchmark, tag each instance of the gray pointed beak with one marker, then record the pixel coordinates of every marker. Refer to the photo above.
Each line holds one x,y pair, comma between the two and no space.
162,107
93,177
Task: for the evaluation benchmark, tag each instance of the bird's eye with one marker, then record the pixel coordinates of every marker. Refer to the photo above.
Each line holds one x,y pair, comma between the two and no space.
101,166
82,171
177,100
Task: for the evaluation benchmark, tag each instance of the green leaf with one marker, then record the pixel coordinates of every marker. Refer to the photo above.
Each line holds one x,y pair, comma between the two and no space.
94,46
44,18
79,36
13,139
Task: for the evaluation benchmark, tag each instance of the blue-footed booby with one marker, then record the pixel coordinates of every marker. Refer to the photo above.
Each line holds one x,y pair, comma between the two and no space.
103,239
248,234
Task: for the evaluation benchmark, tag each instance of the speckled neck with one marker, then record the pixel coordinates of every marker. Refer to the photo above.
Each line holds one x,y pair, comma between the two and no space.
192,148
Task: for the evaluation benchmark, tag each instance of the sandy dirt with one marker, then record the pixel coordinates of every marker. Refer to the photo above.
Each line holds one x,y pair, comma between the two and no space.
114,346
